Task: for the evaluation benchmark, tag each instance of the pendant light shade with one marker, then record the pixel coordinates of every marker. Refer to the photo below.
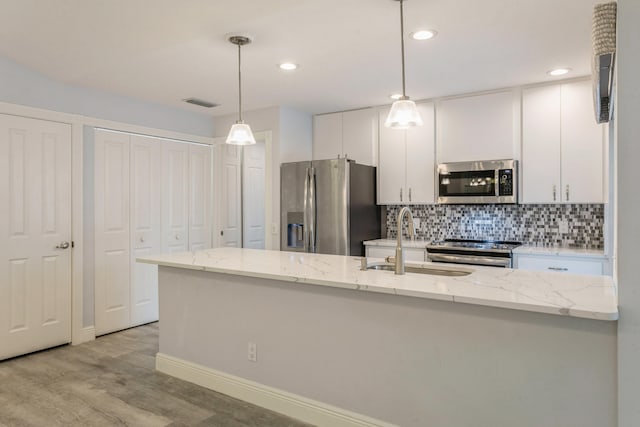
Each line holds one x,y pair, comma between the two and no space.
240,133
404,113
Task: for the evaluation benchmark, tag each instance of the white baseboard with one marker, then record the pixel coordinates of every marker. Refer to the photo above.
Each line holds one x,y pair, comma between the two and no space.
86,334
294,406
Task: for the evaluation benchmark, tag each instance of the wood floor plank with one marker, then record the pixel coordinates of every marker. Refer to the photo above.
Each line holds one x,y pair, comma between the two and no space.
112,381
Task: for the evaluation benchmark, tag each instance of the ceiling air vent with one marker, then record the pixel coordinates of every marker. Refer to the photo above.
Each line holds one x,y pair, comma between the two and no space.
200,102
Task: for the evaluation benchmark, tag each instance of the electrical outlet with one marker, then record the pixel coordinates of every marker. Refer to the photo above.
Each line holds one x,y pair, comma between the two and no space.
274,228
416,223
252,352
563,227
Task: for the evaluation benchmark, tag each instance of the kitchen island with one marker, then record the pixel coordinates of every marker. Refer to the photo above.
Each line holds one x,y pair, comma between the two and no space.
338,346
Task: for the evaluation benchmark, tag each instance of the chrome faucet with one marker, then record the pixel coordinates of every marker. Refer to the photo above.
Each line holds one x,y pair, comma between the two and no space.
412,233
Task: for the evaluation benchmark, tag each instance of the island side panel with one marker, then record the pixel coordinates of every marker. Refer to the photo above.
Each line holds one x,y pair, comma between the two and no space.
408,361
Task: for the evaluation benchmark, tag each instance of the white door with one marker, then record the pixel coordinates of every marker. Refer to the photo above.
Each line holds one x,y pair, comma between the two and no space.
112,224
199,197
35,217
391,164
541,145
327,136
146,225
175,192
360,135
582,146
253,181
231,196
420,158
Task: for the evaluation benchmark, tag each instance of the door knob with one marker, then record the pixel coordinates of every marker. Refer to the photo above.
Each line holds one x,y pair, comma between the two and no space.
63,245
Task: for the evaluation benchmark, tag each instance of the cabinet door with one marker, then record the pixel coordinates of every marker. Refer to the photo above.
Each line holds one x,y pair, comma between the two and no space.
359,135
392,164
477,127
146,225
560,264
199,197
327,136
112,238
540,167
582,146
175,192
420,158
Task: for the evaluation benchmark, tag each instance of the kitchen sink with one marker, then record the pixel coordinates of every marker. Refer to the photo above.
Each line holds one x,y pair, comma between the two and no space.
420,269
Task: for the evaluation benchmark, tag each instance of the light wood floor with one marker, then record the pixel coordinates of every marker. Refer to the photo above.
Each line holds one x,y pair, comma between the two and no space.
112,382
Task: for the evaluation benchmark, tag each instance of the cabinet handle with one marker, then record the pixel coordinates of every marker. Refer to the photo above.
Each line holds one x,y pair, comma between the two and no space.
554,193
558,268
401,194
409,193
567,192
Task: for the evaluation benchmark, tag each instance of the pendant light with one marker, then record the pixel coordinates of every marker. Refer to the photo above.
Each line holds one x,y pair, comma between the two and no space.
404,113
240,133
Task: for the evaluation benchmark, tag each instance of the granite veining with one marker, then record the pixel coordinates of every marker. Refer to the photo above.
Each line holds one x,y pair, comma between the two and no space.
591,297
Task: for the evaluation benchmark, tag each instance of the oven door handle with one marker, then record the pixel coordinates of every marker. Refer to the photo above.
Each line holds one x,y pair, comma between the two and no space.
470,259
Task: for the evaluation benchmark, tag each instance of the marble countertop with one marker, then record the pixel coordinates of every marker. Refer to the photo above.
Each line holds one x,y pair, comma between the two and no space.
591,297
559,251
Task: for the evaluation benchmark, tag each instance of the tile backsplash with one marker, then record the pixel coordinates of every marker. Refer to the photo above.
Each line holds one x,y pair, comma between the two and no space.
569,225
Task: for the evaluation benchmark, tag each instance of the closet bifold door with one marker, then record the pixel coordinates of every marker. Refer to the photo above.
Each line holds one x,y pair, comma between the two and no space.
175,197
112,232
199,197
146,225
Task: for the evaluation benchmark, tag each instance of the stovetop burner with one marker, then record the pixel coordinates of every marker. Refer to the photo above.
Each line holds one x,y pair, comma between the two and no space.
475,245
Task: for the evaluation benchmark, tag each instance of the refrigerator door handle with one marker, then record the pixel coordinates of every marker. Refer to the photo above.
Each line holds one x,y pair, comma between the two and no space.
312,209
305,226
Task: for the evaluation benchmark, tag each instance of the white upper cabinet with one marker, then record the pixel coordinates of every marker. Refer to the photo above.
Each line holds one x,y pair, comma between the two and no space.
480,127
406,170
562,146
351,134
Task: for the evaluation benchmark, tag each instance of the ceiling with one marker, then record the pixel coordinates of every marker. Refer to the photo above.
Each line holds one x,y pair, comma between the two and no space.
348,50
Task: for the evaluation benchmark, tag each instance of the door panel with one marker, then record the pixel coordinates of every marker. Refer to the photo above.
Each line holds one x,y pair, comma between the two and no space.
292,218
392,164
112,238
230,219
35,217
175,191
199,197
146,225
420,159
332,219
253,193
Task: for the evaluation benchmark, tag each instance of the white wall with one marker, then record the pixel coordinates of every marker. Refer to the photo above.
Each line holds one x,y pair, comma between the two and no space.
408,361
628,211
291,133
24,86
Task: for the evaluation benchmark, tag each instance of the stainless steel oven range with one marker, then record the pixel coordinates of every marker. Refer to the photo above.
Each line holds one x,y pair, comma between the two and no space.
475,252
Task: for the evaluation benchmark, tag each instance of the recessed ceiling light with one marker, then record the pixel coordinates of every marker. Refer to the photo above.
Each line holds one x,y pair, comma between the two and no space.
395,96
288,66
559,71
423,34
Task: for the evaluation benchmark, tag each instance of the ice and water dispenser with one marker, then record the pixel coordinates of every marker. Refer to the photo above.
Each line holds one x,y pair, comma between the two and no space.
295,230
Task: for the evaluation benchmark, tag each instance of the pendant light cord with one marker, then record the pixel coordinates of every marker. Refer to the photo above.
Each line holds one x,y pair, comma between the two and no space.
404,95
239,85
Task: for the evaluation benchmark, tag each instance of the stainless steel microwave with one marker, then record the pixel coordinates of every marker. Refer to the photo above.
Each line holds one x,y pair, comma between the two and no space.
487,181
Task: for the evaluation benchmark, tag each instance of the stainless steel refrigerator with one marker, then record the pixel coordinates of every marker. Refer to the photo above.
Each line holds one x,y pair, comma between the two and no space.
328,207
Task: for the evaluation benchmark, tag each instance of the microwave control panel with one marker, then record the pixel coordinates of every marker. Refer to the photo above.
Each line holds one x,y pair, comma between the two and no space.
505,182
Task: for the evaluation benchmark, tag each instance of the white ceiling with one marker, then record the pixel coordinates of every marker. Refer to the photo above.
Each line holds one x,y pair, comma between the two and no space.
167,50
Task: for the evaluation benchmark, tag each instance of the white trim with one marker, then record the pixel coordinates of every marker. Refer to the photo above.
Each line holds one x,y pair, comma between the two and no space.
268,186
85,335
77,221
292,405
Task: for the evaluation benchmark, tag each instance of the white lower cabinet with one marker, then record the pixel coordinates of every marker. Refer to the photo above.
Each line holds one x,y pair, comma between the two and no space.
561,264
151,196
410,254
